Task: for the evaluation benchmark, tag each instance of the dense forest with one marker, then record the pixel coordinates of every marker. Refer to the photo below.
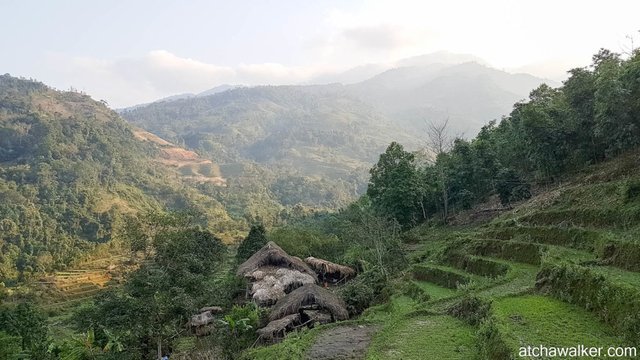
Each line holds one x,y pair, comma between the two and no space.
71,172
593,117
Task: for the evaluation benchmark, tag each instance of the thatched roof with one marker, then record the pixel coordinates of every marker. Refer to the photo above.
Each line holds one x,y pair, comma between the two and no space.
272,284
310,295
322,266
316,317
267,291
279,326
272,255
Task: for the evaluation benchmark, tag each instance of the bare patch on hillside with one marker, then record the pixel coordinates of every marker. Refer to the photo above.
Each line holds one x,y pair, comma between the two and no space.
186,163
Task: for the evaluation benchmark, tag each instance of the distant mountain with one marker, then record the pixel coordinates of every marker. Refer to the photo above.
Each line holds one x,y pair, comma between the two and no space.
350,76
315,136
212,91
71,170
218,89
365,72
313,144
470,94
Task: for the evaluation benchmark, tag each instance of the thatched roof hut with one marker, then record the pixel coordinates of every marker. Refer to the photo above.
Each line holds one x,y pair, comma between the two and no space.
272,255
202,323
278,328
330,271
272,284
310,297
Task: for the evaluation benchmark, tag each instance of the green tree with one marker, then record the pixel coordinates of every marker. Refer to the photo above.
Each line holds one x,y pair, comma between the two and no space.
393,187
29,325
10,348
255,240
511,187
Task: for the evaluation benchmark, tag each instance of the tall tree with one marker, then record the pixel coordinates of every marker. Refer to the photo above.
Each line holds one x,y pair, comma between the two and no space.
439,142
256,239
393,186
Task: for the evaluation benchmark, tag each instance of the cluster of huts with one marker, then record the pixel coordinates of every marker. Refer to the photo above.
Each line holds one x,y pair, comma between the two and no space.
290,287
294,289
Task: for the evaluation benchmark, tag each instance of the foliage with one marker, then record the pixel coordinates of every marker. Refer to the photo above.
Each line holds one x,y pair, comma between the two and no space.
304,242
393,186
510,187
27,324
158,299
71,174
555,132
367,289
471,310
254,241
10,348
238,329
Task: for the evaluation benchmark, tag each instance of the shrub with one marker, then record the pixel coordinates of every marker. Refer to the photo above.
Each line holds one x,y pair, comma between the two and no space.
511,187
631,191
491,345
625,255
527,253
412,290
569,237
471,310
367,289
237,330
304,242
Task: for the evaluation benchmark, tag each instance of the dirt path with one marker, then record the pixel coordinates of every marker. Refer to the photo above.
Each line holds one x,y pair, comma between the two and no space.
342,342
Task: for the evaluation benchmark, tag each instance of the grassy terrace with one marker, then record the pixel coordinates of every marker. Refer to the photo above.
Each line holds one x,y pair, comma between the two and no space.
534,319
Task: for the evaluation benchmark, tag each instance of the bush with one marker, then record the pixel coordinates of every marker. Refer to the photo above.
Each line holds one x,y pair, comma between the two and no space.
491,345
237,330
412,290
553,235
527,253
625,255
471,310
367,289
631,191
254,241
511,187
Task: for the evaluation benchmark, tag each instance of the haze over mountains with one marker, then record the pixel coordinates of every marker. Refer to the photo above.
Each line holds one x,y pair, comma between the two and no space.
431,87
332,133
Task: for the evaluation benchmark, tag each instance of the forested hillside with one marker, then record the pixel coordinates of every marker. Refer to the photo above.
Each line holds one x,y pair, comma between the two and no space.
553,134
71,171
311,145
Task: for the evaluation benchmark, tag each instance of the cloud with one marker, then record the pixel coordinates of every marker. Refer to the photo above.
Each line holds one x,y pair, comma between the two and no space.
160,73
378,37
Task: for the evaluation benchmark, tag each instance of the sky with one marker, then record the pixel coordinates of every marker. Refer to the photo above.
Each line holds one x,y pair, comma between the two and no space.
137,51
